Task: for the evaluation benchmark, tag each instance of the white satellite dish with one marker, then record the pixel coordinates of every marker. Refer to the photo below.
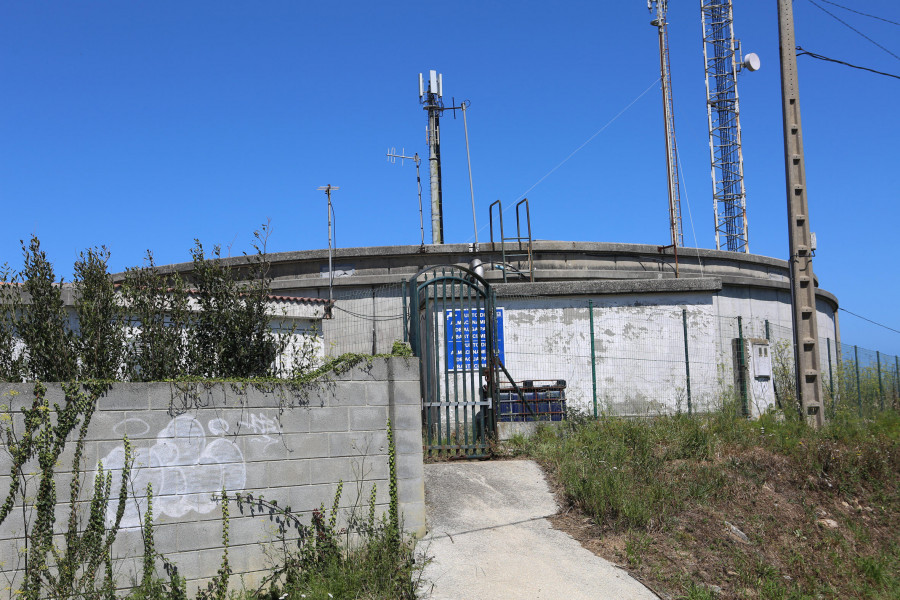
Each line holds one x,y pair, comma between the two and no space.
751,62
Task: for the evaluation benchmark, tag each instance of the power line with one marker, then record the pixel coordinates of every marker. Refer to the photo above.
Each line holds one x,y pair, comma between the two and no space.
589,140
598,132
843,22
802,52
870,320
861,13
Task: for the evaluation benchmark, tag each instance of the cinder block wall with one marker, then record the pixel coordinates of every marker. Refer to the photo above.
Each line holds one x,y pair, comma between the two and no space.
289,445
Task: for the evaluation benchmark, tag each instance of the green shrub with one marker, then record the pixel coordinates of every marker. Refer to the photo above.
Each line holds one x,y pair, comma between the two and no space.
231,332
101,325
160,317
50,345
10,361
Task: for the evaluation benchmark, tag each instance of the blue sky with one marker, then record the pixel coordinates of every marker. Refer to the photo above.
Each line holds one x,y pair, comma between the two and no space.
144,125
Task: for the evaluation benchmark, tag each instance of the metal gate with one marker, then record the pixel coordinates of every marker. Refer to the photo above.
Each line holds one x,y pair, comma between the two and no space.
452,331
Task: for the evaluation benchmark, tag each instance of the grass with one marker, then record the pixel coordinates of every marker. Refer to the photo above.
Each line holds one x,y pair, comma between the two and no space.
819,508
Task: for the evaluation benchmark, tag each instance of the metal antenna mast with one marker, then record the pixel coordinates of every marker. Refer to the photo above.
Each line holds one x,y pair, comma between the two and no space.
669,114
803,281
432,101
393,156
721,61
328,189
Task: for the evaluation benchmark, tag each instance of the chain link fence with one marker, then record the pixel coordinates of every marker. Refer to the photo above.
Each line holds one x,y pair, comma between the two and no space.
365,321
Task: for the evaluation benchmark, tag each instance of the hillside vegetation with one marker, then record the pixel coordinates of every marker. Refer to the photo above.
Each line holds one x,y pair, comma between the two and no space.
717,507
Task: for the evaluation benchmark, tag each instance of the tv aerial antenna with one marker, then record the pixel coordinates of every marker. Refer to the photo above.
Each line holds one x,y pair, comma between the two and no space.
392,157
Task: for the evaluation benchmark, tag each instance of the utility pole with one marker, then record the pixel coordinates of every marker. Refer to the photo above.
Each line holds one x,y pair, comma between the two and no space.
328,189
803,282
675,228
432,101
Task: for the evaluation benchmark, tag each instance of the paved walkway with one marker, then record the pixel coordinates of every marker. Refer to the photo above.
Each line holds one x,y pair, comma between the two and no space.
489,538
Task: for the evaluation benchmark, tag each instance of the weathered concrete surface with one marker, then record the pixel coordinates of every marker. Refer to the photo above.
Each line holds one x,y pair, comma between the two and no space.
489,538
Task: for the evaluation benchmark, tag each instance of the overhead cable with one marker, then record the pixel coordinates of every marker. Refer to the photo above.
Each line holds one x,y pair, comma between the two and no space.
870,320
589,140
860,13
369,317
802,52
846,24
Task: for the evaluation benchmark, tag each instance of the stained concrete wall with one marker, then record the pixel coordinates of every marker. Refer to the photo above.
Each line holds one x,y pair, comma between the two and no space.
289,445
639,339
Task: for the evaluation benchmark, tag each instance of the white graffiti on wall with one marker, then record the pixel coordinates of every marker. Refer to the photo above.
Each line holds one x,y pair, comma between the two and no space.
184,466
262,426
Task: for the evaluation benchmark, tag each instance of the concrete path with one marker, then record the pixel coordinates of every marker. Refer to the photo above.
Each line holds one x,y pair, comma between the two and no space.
489,539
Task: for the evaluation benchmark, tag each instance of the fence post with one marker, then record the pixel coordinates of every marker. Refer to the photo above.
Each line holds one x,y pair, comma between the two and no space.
405,316
880,386
741,366
593,359
830,377
774,386
897,376
687,360
858,389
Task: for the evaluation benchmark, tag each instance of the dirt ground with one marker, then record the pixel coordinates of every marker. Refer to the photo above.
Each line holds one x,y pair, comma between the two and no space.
770,532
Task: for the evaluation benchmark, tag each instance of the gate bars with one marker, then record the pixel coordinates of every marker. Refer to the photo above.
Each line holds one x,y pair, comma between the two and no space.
452,325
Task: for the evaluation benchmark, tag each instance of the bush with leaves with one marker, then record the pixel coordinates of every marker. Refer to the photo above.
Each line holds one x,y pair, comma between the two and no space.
159,312
50,348
101,324
10,361
231,333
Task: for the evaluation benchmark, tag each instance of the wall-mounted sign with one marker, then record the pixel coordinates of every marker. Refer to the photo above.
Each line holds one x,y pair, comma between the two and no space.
466,338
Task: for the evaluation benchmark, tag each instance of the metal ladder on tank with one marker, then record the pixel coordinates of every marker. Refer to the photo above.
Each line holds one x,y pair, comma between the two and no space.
522,246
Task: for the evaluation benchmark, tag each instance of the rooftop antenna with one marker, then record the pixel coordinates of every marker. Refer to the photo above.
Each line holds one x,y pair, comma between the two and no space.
722,61
392,158
328,189
669,115
432,101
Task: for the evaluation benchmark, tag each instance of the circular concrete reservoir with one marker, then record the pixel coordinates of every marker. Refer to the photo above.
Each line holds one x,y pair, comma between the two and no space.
664,330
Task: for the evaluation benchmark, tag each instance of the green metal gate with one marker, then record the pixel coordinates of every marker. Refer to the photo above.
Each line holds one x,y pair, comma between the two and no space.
452,331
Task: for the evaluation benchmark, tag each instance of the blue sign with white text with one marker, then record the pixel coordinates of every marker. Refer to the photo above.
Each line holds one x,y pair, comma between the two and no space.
466,335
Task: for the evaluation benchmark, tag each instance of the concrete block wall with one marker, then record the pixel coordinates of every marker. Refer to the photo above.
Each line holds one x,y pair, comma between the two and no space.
289,445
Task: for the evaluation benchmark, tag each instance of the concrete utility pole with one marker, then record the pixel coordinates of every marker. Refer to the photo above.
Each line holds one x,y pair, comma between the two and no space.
432,101
675,228
803,282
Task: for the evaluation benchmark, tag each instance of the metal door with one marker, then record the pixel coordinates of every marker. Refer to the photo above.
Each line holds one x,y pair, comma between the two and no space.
452,331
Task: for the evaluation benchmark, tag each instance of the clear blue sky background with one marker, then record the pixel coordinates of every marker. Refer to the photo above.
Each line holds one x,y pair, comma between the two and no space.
142,125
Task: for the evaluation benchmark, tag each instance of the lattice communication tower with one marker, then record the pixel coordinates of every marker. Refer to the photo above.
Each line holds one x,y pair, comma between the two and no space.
722,61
